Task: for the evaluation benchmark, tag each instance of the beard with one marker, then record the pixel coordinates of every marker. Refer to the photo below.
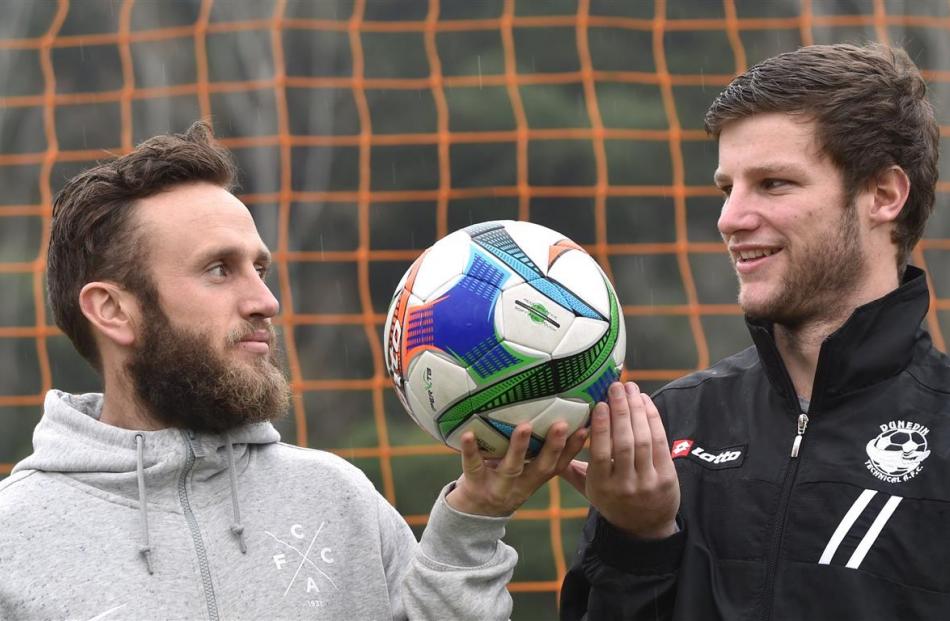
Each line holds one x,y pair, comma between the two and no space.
819,283
185,383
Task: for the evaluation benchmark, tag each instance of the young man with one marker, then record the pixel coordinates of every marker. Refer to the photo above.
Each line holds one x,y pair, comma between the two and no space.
170,495
805,477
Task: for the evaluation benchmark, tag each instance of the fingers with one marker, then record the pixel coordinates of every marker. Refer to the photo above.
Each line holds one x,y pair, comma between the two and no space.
500,490
621,430
558,451
662,460
600,441
512,464
579,466
572,447
547,460
576,475
642,436
471,459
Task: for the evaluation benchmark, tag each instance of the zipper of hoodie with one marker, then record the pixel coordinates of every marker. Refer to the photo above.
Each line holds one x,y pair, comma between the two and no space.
195,531
778,534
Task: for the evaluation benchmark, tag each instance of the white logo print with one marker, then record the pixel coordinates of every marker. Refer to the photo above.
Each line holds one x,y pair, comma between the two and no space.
870,536
716,459
722,457
303,562
897,454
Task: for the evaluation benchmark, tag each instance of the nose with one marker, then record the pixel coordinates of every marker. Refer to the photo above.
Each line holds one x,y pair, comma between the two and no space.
738,213
258,301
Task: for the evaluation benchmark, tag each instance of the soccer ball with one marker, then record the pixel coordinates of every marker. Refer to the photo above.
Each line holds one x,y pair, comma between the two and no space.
500,323
898,451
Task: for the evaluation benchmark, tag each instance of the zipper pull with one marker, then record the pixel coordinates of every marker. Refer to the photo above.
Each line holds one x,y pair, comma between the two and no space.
802,425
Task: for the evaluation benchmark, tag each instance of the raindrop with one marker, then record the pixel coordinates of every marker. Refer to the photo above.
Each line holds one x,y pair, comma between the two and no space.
479,60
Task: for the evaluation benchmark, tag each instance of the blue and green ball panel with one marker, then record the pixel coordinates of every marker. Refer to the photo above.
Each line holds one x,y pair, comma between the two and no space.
460,322
506,429
501,245
597,389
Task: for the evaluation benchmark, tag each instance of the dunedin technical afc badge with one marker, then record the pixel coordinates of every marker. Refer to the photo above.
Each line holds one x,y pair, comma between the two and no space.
897,454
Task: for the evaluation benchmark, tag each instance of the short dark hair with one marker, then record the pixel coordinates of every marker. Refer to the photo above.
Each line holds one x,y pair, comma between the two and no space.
870,110
94,235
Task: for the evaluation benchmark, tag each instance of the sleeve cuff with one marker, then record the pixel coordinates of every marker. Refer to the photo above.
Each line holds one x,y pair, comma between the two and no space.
639,556
460,539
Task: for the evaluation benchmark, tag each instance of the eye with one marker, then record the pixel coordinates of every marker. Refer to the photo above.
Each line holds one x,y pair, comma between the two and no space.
218,271
774,184
261,271
726,190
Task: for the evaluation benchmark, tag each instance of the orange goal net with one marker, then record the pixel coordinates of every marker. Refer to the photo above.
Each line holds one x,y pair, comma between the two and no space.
367,130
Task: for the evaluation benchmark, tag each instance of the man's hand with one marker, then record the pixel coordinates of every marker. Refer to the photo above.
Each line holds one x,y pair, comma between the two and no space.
631,479
499,488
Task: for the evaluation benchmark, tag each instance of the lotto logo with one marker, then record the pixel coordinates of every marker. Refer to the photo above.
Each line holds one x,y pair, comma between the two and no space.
681,448
730,457
717,458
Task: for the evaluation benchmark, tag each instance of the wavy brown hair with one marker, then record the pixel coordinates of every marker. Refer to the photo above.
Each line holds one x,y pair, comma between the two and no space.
94,233
870,110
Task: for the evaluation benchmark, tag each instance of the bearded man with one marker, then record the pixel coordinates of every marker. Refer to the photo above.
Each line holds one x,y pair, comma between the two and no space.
170,495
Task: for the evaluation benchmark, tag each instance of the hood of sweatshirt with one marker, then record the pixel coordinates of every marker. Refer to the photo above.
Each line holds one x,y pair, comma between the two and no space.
143,468
70,439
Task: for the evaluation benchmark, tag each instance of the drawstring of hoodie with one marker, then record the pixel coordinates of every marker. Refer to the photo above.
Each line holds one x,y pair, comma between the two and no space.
146,549
237,528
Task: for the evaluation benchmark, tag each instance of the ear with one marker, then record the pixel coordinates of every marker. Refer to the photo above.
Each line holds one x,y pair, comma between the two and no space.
111,310
889,190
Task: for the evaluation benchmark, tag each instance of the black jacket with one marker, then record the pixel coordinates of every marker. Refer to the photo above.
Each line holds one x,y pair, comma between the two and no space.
857,526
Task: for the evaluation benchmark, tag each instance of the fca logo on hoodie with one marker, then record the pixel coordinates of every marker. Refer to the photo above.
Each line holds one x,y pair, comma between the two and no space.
299,559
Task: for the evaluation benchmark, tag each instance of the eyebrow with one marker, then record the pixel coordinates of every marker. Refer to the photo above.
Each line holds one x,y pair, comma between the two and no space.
763,170
233,252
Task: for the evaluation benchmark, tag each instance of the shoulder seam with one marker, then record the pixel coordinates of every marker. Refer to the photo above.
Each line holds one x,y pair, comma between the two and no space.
702,376
669,387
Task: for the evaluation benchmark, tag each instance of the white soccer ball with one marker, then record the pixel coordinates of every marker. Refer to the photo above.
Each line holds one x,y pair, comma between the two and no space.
898,451
500,323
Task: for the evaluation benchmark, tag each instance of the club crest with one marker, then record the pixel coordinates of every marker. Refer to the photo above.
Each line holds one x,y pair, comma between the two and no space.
897,454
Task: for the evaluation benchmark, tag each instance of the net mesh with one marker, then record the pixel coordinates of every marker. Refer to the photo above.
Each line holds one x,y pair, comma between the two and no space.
365,131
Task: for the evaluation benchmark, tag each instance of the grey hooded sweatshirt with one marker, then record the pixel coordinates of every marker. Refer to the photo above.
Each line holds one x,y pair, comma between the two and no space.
106,523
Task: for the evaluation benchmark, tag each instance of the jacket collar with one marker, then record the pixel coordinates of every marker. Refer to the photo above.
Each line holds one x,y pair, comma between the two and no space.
875,343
